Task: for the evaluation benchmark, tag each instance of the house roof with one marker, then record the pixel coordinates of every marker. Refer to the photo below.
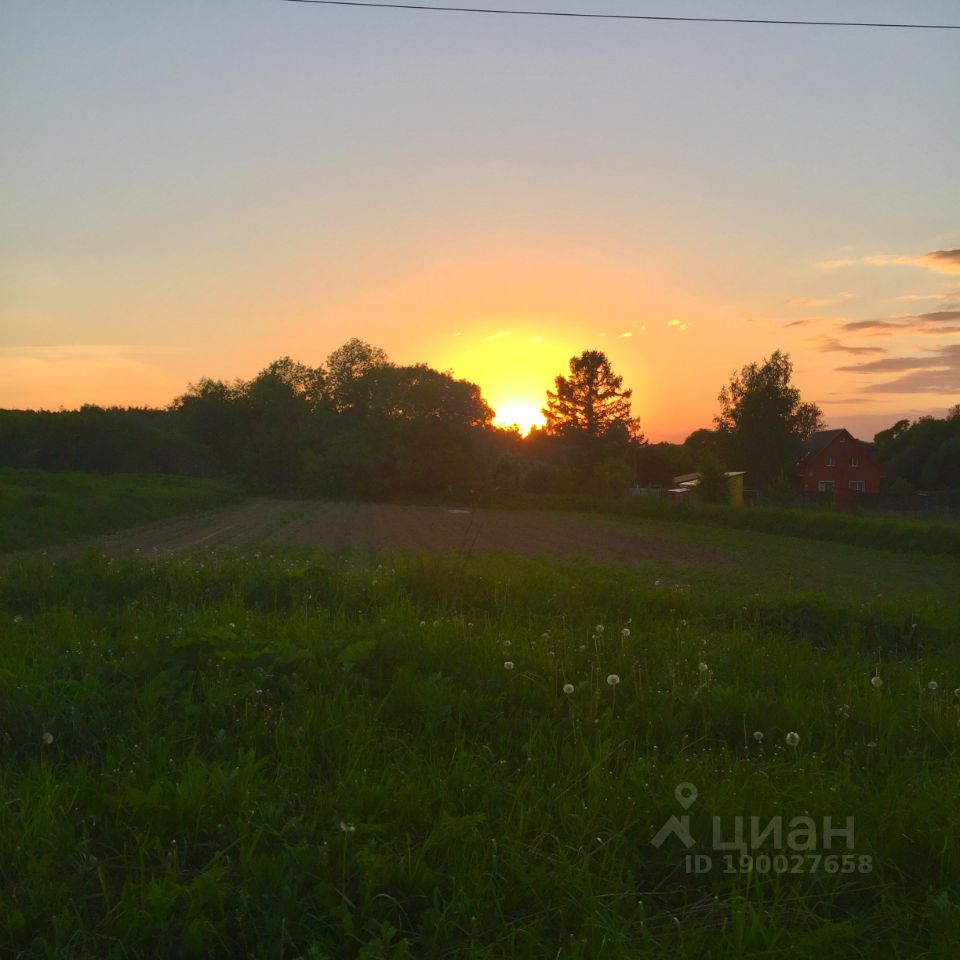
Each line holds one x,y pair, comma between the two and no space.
818,441
823,438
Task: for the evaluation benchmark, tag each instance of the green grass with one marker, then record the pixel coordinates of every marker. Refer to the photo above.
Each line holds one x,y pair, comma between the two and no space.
38,508
941,536
290,757
739,566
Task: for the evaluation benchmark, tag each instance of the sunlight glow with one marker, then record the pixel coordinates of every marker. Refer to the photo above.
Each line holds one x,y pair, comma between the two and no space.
520,414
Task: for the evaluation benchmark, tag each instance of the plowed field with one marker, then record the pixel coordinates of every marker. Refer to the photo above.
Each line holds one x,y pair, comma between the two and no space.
367,528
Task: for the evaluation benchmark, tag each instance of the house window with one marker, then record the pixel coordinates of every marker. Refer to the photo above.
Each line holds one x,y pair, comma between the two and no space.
858,485
824,486
831,461
854,461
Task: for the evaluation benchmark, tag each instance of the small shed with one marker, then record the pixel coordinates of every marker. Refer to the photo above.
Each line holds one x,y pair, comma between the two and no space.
686,483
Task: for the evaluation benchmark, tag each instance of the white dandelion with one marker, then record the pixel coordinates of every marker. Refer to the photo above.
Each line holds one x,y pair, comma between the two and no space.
568,688
793,739
613,679
508,664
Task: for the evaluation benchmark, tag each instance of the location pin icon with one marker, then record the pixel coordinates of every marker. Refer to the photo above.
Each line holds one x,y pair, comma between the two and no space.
686,794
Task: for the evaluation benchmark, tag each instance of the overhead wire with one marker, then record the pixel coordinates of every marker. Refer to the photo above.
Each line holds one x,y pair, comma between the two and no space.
583,15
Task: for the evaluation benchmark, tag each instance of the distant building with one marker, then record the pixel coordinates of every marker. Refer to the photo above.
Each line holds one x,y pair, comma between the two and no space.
834,461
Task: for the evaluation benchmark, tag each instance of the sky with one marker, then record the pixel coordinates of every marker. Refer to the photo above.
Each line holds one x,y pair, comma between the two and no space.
193,190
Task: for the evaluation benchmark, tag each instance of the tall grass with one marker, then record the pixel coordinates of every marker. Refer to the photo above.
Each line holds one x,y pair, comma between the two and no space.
288,757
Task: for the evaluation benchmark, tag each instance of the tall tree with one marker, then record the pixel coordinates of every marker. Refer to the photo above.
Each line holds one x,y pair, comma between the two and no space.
345,369
591,402
763,423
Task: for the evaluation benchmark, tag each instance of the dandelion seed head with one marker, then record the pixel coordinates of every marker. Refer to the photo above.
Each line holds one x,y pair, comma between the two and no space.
47,738
625,632
568,688
932,686
876,681
758,736
613,679
508,664
793,739
598,628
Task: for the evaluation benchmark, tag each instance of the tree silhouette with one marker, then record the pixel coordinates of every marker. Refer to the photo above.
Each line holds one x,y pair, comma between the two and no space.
762,422
345,370
590,402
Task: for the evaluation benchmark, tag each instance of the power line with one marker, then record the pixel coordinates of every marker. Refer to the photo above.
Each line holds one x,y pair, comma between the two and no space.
423,7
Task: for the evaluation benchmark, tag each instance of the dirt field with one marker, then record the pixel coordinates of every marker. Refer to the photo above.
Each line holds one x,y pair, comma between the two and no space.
366,528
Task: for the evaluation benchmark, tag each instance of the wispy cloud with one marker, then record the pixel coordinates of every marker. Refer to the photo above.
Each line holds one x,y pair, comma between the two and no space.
937,322
944,296
806,321
940,261
937,372
820,302
500,335
626,334
832,345
838,264
677,325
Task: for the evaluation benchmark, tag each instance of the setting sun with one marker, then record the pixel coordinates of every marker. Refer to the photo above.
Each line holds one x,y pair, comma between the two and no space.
520,414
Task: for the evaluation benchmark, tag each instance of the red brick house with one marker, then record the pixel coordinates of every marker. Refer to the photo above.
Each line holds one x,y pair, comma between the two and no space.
835,462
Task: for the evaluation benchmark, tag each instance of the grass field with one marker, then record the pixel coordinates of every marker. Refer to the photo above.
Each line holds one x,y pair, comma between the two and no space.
429,755
39,508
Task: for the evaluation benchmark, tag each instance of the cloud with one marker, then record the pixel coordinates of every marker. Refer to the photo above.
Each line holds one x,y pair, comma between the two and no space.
848,400
838,264
938,372
943,261
677,325
938,322
806,321
823,302
831,344
940,261
627,334
944,296
500,335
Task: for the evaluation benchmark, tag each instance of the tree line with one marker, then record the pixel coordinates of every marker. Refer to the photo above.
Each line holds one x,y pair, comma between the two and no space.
361,426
